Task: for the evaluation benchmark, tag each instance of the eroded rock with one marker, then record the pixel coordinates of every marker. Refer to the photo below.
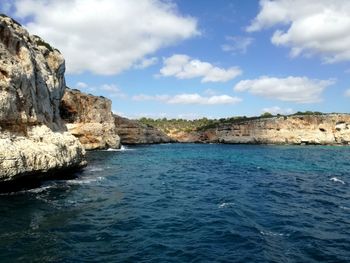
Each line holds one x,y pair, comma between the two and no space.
33,138
134,132
327,129
90,119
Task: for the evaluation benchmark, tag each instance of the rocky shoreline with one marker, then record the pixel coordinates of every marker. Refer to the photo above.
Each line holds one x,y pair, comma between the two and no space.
323,129
45,127
33,137
133,132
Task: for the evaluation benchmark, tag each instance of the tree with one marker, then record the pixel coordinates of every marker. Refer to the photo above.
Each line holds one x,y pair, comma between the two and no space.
266,115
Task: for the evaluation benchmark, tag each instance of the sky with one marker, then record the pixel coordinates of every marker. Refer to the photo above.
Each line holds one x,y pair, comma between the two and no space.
200,58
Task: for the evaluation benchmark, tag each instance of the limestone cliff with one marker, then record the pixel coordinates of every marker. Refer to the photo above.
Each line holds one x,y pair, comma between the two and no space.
328,129
33,137
134,132
90,119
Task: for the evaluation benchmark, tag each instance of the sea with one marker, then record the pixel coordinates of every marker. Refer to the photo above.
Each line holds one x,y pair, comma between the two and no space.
187,203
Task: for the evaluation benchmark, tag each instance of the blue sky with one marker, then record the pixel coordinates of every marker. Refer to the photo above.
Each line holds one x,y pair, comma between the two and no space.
191,59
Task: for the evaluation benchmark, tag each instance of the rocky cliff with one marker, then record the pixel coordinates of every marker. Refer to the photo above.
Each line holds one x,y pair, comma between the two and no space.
90,119
134,132
328,129
33,137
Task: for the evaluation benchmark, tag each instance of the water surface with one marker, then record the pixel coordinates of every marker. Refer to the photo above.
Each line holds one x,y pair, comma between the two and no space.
187,203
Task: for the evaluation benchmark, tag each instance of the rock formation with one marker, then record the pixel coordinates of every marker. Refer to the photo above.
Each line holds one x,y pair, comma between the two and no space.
328,129
33,137
90,119
134,132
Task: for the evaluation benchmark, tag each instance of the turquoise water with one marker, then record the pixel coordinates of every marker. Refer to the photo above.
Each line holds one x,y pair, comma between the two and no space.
187,203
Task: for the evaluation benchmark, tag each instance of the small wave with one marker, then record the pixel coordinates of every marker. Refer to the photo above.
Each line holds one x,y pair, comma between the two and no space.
95,169
225,205
335,179
39,189
85,180
272,234
122,149
344,207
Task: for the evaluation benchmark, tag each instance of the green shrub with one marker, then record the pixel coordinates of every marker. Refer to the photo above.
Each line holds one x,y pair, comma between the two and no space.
40,42
266,115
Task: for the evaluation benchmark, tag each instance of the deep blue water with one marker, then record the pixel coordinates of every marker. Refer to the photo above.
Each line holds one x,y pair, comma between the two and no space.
187,203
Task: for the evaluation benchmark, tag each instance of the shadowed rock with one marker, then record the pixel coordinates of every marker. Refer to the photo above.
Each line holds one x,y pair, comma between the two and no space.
134,132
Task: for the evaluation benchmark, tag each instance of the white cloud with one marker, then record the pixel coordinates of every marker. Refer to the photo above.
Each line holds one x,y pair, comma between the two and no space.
146,62
187,116
210,92
347,93
158,115
190,99
84,87
143,97
81,85
277,110
293,89
119,113
237,44
198,99
113,91
308,27
106,36
192,116
183,67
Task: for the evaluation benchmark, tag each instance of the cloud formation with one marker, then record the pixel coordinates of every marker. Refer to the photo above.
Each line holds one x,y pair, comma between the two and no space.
184,67
113,91
293,89
106,36
237,44
146,62
190,99
347,93
81,85
277,110
308,27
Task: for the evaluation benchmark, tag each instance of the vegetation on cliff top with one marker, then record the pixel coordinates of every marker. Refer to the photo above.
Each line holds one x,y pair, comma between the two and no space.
40,42
13,20
183,125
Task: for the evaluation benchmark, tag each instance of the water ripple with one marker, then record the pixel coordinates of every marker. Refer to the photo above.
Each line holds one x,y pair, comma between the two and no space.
187,203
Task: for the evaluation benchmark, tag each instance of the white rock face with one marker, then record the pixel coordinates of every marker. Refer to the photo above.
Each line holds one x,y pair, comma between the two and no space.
40,152
90,119
328,129
331,129
33,137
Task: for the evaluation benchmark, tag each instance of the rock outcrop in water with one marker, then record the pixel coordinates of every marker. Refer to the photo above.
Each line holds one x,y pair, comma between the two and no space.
33,138
327,129
134,132
90,119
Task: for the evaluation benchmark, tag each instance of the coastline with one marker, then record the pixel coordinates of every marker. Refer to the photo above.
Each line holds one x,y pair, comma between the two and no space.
45,134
